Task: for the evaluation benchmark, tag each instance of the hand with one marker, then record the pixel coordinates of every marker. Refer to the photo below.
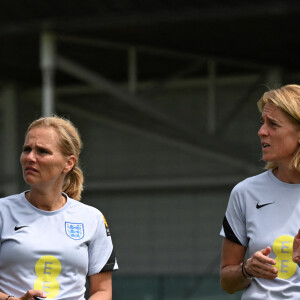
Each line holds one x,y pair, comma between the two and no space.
296,248
33,295
260,264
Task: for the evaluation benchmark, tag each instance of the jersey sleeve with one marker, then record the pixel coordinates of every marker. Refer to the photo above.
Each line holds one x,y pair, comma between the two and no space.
234,222
101,250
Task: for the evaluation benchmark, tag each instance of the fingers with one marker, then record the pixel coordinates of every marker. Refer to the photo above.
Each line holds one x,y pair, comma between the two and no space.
39,295
296,256
264,258
266,251
261,265
296,248
298,235
34,295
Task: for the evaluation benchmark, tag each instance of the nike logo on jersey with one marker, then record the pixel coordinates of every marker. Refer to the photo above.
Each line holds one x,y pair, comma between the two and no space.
262,205
19,227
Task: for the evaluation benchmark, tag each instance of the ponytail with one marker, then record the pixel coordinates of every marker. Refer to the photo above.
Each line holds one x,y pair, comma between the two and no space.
73,185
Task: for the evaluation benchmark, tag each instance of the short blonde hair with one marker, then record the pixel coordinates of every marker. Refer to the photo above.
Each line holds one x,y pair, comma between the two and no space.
287,98
70,144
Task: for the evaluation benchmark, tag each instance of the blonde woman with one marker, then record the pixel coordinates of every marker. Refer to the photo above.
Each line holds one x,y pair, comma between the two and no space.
263,212
51,242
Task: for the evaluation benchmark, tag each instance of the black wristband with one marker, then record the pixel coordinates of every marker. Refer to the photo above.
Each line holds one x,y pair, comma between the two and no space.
9,296
245,273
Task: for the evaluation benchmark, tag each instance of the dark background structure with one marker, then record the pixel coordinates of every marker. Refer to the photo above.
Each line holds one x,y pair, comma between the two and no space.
244,33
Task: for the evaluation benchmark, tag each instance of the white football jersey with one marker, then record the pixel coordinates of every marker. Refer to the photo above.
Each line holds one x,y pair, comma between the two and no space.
264,211
52,251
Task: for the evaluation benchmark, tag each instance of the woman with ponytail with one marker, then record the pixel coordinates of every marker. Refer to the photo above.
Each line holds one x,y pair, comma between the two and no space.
51,242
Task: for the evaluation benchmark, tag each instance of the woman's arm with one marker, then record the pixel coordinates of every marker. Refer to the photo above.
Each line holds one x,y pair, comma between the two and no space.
28,296
259,265
100,286
232,279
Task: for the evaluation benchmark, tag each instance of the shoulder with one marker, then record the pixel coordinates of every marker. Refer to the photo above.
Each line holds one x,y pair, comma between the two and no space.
11,207
249,190
83,208
90,215
12,199
253,181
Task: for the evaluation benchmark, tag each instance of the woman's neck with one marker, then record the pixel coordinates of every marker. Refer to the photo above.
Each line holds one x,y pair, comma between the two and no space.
287,175
46,201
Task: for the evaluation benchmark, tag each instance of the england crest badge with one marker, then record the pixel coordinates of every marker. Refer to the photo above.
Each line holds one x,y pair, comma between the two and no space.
74,230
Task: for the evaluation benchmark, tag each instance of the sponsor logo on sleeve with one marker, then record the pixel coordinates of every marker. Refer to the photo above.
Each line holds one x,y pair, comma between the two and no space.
106,226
